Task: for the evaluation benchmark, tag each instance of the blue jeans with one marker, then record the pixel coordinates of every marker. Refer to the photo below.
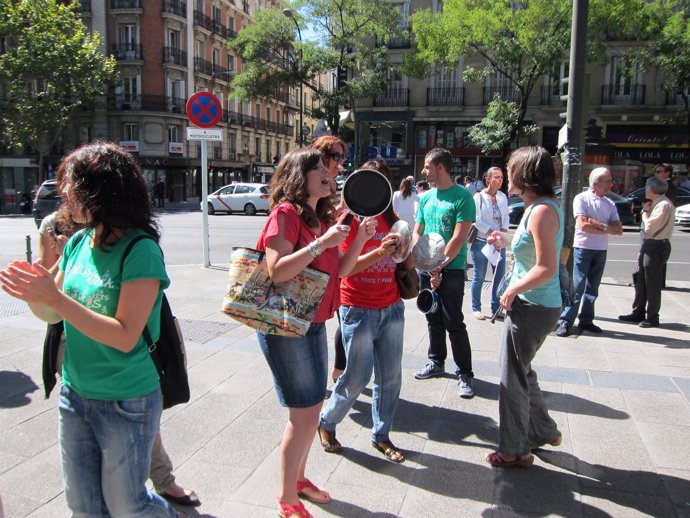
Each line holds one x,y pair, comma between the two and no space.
449,318
373,341
588,268
480,264
105,449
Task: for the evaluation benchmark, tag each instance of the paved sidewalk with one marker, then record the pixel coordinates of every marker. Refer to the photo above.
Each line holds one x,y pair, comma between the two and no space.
621,399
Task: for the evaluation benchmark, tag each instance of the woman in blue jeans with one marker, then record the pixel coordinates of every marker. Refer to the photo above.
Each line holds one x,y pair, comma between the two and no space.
372,321
110,402
492,215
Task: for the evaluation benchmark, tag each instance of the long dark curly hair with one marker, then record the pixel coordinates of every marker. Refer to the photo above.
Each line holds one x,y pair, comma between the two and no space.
289,185
106,181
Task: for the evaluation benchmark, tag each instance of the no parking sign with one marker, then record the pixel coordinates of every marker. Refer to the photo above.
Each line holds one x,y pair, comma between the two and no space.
204,110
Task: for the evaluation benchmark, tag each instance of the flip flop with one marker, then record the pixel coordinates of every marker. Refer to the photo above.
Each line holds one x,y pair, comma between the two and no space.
495,458
392,453
328,441
307,484
189,500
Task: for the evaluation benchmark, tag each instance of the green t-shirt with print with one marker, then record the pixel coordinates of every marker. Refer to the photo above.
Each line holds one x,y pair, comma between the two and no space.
439,211
93,278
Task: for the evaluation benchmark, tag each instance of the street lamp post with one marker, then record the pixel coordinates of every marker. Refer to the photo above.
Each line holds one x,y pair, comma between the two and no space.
289,14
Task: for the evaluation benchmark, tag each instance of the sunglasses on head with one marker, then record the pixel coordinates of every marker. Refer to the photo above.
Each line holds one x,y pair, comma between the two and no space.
336,156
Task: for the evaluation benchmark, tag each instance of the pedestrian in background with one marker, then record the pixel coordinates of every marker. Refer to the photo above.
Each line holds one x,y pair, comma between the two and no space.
491,206
110,401
448,210
421,187
533,303
596,217
159,192
372,317
405,201
301,232
657,228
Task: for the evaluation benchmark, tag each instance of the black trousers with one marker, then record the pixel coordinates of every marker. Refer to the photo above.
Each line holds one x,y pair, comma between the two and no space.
650,278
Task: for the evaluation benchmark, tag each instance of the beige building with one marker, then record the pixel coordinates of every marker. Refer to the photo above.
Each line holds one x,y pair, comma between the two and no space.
166,50
413,115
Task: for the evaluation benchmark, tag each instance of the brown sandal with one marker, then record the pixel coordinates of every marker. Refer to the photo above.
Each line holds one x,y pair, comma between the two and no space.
392,453
328,441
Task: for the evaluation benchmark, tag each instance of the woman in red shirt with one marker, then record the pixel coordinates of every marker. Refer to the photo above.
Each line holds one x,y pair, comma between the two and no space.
372,321
300,232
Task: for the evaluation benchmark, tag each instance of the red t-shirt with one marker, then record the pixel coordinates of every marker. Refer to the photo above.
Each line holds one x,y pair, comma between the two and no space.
298,233
374,287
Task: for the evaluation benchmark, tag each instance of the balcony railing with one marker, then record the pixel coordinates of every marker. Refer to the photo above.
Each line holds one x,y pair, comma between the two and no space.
174,56
202,66
506,93
674,99
626,95
393,97
127,51
445,96
282,97
84,6
221,30
550,98
222,73
152,103
125,4
239,119
201,20
175,7
400,41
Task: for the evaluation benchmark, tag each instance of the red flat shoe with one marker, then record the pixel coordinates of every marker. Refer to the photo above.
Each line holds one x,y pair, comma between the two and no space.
495,458
293,511
314,491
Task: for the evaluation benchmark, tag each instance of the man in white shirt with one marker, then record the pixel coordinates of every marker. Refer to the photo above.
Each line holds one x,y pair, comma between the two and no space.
596,218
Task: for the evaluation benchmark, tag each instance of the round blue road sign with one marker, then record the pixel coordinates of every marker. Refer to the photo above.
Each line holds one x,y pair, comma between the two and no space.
204,110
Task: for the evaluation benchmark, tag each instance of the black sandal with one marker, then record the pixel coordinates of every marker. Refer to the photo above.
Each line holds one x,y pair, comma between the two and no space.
392,453
328,441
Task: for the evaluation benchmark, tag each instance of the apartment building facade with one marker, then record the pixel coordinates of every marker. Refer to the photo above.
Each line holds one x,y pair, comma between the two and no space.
414,115
166,50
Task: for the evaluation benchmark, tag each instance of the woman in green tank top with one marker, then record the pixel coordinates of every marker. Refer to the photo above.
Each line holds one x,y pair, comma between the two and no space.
533,303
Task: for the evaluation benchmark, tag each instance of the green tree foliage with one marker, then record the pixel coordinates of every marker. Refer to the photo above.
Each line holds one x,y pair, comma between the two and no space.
51,67
345,30
669,29
517,41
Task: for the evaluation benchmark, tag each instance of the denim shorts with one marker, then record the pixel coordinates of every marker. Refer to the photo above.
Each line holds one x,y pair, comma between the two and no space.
299,365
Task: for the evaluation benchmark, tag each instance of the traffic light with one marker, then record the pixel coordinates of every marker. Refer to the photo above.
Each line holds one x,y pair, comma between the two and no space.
341,77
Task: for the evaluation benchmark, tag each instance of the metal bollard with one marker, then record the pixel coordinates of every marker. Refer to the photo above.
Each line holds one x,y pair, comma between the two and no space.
28,249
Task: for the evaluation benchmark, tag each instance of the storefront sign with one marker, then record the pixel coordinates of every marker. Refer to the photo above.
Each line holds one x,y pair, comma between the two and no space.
130,145
652,155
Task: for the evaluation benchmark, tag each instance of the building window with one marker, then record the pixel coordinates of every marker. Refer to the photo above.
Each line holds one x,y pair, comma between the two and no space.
231,63
130,131
216,14
173,134
268,151
245,143
232,143
257,148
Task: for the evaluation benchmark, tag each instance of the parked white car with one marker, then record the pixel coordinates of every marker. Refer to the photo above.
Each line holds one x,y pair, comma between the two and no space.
249,198
683,215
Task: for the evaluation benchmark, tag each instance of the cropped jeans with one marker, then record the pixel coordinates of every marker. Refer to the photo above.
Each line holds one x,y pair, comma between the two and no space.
105,448
480,265
373,341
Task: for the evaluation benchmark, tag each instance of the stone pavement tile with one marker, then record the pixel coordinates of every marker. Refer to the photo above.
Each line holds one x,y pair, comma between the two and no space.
21,394
380,501
38,478
464,490
524,490
454,443
677,483
12,504
667,444
32,436
609,502
661,408
232,509
27,359
684,386
222,367
632,381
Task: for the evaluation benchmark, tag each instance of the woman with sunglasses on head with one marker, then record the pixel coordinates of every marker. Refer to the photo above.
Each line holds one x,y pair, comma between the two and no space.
110,402
333,150
301,232
533,303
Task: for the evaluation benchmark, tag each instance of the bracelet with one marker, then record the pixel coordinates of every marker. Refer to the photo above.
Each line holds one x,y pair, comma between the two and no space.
314,248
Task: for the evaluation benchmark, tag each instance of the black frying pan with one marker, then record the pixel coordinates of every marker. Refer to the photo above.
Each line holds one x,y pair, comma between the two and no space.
366,193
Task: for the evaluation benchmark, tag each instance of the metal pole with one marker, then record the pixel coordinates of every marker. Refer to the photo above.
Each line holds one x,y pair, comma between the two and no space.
204,204
574,148
301,115
28,249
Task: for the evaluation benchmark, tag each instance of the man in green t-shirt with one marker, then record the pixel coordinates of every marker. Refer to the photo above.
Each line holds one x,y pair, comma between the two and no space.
448,210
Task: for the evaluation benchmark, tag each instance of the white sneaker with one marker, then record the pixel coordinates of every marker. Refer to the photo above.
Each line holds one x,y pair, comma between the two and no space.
478,315
466,386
